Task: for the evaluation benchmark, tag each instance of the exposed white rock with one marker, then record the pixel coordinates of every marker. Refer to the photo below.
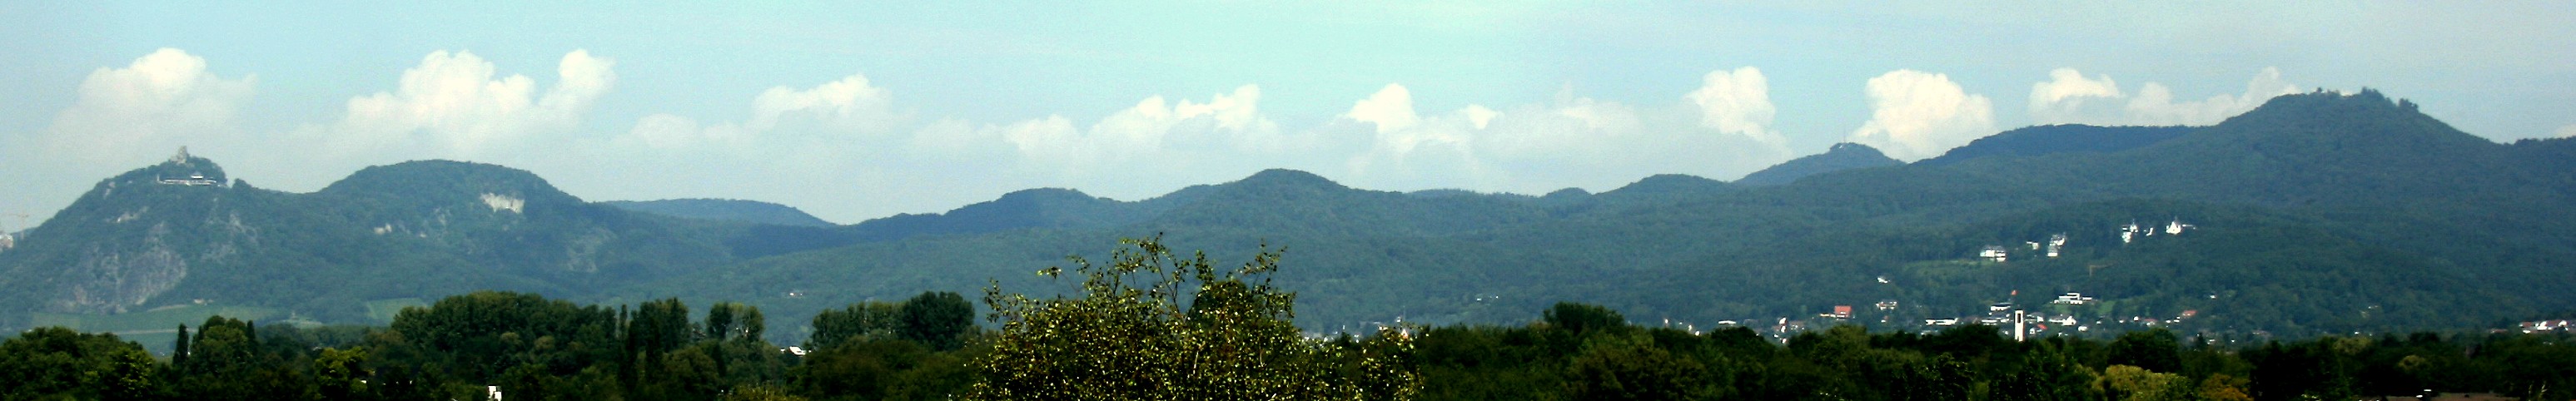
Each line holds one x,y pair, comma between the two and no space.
500,202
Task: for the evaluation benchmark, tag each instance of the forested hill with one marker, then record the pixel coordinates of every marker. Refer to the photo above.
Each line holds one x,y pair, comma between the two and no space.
1842,156
145,244
734,210
2317,212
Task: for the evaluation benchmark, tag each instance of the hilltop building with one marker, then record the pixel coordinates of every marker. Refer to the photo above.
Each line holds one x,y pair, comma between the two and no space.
194,179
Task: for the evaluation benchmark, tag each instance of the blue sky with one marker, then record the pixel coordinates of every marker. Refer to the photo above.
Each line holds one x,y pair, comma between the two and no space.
856,111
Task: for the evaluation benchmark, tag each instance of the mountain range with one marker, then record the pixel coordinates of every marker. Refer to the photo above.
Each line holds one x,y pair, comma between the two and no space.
2316,212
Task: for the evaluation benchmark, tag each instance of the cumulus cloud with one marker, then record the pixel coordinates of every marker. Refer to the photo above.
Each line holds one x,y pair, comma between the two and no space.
1391,109
452,105
1736,102
2063,100
157,103
849,132
1720,129
2155,106
1153,125
1406,147
848,106
1915,115
2064,94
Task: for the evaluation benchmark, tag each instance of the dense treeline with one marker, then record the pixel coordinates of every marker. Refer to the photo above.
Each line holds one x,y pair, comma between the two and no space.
524,346
531,348
1588,352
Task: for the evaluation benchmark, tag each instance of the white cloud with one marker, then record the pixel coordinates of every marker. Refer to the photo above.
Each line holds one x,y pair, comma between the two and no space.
1915,115
2062,100
2155,106
828,112
1391,109
2059,99
847,105
159,102
850,134
1737,102
451,105
1720,129
2568,131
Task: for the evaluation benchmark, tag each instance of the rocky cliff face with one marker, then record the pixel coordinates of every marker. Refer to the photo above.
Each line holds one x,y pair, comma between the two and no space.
113,277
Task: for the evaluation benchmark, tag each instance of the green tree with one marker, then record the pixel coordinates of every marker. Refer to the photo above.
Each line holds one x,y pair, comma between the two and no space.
1137,340
1582,318
939,320
2154,350
1632,368
57,363
2131,383
857,322
179,348
341,374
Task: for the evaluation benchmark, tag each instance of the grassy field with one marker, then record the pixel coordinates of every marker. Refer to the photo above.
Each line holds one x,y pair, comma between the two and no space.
383,310
158,319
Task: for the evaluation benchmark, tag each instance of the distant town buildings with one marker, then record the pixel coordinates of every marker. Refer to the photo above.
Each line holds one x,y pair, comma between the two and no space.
2072,298
2132,232
1993,253
2175,227
2545,325
2052,247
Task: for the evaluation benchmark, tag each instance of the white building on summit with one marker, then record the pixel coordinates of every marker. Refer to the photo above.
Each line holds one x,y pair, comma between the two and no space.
192,180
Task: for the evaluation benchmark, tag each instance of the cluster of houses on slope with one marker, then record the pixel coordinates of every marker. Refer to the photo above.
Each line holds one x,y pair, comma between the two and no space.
2133,232
2051,248
2545,325
2011,318
2056,243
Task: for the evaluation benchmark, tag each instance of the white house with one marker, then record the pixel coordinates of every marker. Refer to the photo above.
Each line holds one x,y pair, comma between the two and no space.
2072,298
1993,253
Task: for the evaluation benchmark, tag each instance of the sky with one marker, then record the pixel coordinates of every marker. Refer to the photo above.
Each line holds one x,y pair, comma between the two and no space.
859,111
